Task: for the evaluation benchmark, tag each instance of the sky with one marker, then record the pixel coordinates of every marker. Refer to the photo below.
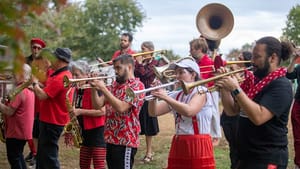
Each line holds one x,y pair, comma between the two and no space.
171,24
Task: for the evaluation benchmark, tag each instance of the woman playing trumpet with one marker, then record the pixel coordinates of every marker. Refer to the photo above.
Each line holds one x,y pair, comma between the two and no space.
191,145
91,121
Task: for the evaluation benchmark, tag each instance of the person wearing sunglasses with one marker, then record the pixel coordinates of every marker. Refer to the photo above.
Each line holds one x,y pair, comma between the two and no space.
36,44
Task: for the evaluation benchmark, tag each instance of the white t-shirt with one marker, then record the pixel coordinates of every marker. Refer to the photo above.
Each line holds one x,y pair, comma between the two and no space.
183,124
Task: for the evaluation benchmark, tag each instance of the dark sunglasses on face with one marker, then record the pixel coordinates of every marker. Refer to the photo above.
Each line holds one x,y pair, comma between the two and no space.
36,47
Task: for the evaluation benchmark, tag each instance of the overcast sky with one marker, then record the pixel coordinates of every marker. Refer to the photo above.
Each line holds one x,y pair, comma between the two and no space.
171,24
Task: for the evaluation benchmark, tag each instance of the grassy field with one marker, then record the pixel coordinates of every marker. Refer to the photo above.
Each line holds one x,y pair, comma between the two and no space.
161,144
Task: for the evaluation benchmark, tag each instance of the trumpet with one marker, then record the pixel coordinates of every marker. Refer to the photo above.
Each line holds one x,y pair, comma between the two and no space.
132,94
186,87
68,81
149,52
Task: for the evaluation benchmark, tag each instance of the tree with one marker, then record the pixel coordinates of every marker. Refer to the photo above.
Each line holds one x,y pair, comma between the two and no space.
13,15
292,29
92,29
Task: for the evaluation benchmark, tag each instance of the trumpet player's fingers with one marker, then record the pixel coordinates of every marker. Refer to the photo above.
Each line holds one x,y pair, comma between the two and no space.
98,84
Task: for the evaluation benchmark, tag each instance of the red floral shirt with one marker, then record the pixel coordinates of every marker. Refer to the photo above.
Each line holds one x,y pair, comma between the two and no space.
123,128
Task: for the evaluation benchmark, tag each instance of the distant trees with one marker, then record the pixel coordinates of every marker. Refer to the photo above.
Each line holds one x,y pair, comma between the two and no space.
292,29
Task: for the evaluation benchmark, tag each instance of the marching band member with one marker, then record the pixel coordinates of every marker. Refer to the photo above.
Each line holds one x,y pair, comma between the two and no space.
264,109
53,110
144,71
191,145
91,121
122,125
293,73
19,115
198,50
41,64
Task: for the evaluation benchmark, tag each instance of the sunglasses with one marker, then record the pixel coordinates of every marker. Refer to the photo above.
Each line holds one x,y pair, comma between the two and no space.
36,47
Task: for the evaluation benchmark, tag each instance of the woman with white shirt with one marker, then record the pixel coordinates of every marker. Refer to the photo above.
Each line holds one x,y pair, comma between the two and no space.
192,144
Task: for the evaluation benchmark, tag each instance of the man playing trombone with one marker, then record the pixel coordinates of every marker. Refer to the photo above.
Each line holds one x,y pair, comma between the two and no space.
122,125
264,109
198,50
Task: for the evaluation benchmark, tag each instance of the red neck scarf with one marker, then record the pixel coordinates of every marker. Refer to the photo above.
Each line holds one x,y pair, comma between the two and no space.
280,72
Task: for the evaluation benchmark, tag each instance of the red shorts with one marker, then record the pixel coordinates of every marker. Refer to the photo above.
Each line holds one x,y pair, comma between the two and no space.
191,152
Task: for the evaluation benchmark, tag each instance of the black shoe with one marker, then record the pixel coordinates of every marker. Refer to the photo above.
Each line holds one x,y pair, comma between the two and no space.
29,157
33,161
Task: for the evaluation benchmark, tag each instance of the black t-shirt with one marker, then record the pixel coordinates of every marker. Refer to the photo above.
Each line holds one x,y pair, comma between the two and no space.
268,142
295,75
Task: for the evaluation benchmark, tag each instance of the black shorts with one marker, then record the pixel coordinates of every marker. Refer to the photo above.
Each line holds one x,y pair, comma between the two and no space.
149,125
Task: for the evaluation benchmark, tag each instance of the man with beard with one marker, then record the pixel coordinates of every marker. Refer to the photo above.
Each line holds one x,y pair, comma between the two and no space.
122,125
125,44
264,109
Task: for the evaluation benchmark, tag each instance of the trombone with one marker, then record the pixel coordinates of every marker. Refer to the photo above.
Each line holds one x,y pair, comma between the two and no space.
132,94
186,87
149,52
68,81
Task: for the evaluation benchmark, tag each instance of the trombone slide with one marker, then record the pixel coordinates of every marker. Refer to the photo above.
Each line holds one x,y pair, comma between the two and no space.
186,87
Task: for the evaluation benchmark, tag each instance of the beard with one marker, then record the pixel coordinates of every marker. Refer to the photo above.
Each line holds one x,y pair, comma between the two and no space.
262,72
122,78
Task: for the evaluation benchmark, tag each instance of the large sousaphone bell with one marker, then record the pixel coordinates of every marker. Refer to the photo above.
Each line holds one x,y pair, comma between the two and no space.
214,21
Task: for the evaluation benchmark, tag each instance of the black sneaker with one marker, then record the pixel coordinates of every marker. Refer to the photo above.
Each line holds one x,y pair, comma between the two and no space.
33,161
29,157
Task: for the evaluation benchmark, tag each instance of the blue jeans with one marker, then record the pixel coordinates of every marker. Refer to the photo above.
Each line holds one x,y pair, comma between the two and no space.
47,154
14,149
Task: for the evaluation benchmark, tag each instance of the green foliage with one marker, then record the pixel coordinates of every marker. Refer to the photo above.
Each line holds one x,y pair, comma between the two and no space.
91,29
14,15
292,29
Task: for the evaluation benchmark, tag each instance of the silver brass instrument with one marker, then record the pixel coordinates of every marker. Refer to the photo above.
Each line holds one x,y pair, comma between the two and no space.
131,94
4,85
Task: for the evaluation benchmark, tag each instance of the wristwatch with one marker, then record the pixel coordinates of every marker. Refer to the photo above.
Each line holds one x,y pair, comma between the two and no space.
235,92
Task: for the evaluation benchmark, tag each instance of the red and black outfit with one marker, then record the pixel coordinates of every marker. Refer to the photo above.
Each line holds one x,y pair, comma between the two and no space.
93,147
265,146
295,116
122,128
149,125
53,117
120,52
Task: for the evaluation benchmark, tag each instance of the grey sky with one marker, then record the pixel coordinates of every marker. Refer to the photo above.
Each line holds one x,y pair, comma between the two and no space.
170,24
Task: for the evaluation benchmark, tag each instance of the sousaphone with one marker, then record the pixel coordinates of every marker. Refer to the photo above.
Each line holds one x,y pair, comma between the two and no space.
214,21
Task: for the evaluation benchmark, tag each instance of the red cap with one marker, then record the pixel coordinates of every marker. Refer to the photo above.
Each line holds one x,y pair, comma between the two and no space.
38,41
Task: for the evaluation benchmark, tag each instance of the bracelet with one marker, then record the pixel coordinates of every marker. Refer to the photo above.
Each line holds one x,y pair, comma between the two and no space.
235,92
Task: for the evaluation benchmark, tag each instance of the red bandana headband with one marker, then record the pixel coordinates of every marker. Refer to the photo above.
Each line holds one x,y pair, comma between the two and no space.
280,72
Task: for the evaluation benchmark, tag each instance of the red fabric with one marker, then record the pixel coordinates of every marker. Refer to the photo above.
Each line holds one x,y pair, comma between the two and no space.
295,119
37,101
248,81
53,110
206,72
38,41
90,122
19,125
95,154
119,52
280,72
31,147
123,128
191,152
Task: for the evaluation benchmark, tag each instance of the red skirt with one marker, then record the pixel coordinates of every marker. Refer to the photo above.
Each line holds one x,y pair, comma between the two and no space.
191,152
